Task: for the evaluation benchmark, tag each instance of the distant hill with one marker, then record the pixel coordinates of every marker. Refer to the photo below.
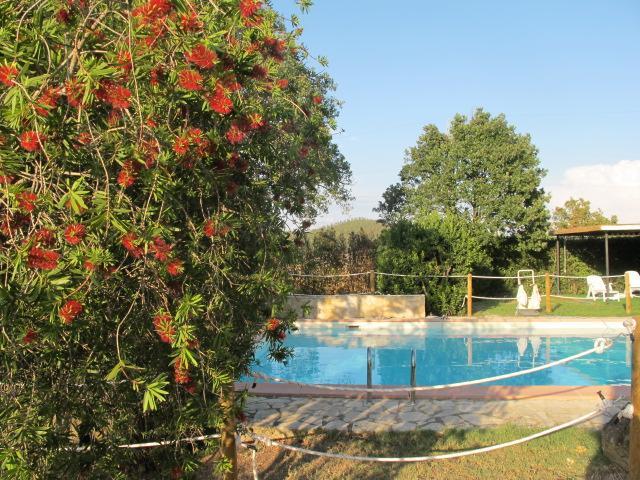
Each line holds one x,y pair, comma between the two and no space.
370,227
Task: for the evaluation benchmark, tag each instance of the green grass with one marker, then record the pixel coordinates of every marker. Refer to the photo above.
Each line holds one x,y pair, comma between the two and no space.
370,227
573,453
561,307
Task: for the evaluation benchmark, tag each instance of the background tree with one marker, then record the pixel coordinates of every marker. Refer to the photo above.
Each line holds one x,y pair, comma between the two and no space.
152,155
433,245
578,212
485,172
392,206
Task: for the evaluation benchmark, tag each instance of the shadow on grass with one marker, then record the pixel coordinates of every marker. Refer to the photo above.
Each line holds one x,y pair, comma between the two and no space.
574,453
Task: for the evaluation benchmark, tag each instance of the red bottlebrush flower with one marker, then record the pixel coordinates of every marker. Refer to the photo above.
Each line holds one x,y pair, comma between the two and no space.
63,15
273,324
43,259
254,21
234,134
30,141
74,91
190,80
249,7
160,249
304,152
255,121
243,165
84,138
26,201
89,265
189,22
202,56
181,145
259,72
234,158
282,83
230,82
281,335
70,311
127,174
155,75
212,229
129,241
220,102
190,389
7,74
47,101
113,117
6,179
175,267
29,337
317,100
209,228
150,149
151,123
274,47
124,62
152,11
45,236
115,95
180,373
232,188
74,234
164,328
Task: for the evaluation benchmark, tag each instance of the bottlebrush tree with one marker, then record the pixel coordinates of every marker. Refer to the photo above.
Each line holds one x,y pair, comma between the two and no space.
154,157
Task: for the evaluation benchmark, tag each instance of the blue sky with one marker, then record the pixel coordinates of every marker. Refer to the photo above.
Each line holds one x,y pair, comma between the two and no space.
566,72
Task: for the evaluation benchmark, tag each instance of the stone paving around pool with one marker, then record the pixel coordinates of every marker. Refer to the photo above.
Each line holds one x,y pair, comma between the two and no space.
287,414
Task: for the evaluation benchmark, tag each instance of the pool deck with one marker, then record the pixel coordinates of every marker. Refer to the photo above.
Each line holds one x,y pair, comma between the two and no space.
288,414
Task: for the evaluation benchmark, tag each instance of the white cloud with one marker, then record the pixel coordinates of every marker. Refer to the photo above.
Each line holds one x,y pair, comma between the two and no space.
613,188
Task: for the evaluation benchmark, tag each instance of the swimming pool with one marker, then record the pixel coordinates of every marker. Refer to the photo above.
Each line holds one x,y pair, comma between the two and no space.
336,353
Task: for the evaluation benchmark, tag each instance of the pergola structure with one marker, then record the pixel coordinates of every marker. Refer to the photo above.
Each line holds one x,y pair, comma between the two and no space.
604,231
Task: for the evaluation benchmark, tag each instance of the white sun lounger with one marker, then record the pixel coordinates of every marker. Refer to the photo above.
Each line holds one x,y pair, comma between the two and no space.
634,283
597,287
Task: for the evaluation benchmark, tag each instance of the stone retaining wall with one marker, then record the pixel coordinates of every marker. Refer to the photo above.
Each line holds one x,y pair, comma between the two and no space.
339,307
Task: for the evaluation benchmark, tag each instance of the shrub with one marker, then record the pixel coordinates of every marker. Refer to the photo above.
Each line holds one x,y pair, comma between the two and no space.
150,153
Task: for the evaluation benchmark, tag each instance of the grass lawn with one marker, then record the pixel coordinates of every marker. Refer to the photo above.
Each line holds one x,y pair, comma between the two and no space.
572,453
561,307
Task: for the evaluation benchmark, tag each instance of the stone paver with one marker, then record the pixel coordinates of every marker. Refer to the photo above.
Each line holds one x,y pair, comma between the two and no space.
295,413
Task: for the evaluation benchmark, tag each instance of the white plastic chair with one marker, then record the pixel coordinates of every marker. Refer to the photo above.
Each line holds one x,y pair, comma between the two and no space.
597,287
634,282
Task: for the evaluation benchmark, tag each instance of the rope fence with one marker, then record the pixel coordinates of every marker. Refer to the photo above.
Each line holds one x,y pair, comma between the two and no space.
430,458
454,275
618,288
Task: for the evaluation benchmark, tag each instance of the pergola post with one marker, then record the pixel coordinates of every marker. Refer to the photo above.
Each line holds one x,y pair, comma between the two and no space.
557,264
606,253
606,260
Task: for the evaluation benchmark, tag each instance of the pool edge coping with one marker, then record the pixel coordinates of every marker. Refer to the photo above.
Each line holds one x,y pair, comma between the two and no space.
493,392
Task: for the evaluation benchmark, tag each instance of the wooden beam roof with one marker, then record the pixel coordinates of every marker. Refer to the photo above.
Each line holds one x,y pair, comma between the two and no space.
629,228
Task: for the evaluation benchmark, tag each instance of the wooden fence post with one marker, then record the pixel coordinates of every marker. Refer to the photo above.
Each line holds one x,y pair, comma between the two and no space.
627,292
228,432
547,291
634,440
469,295
372,281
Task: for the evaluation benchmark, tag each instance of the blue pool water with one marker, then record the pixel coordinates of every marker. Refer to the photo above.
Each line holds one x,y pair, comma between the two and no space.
338,355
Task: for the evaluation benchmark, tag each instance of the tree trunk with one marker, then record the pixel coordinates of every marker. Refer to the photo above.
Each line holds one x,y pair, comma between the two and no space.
228,434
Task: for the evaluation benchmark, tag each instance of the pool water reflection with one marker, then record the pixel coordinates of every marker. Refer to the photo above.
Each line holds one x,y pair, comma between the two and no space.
340,357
